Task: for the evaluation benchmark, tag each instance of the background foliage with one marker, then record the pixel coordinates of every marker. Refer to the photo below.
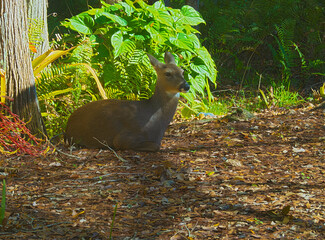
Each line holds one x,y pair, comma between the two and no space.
123,33
283,40
268,53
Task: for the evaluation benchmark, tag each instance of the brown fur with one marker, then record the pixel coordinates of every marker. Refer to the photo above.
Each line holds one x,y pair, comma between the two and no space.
137,125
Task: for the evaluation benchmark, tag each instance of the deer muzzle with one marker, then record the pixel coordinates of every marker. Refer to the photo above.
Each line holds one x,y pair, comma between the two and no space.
184,87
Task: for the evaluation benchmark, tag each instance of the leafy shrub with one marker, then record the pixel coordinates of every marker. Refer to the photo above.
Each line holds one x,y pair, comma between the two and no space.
66,84
123,33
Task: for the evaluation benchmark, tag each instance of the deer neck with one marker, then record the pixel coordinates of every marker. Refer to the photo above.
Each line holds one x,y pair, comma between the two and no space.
162,106
164,99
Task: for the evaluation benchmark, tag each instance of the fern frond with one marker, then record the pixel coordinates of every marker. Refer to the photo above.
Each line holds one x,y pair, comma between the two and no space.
35,30
82,53
53,78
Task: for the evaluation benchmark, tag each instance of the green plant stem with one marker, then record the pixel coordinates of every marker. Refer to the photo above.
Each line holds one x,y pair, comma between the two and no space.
113,220
3,201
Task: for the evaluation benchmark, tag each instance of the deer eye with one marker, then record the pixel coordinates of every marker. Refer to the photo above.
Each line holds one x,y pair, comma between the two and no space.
168,74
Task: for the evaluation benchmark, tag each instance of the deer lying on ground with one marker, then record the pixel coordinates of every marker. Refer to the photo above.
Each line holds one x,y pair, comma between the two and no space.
136,125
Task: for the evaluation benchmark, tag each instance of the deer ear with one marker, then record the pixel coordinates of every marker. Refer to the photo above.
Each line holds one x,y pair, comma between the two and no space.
169,58
154,62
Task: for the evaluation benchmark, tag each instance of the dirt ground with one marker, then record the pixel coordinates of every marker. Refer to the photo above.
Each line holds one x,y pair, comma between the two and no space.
213,179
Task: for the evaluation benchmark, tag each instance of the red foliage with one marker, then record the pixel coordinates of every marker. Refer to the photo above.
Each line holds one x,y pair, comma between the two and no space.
14,135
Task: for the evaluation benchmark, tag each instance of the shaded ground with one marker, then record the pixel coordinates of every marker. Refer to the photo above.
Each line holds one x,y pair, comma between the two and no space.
257,179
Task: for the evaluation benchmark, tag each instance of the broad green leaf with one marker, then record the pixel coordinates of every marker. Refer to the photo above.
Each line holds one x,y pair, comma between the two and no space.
115,18
121,46
117,40
191,16
127,46
181,22
159,5
82,23
127,8
206,57
154,33
182,41
162,16
196,42
200,67
187,29
198,84
176,14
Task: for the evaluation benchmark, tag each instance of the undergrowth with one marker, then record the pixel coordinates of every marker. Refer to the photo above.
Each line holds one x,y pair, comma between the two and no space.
15,136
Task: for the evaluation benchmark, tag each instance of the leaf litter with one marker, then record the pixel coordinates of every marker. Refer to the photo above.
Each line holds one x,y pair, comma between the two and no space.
257,179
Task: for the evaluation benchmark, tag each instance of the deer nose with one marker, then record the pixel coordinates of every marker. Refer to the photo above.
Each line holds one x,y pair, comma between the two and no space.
184,87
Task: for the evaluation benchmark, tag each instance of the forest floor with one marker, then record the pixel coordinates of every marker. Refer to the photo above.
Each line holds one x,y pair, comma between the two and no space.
213,179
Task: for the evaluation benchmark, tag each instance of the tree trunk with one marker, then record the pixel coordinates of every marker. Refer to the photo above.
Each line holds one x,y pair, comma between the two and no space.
15,60
37,19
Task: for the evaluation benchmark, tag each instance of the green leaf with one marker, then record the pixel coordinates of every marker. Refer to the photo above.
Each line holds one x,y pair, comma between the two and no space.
115,18
101,31
139,37
117,40
161,15
121,46
200,67
206,57
182,41
194,39
127,8
130,3
159,5
92,11
198,84
322,90
191,16
82,23
153,28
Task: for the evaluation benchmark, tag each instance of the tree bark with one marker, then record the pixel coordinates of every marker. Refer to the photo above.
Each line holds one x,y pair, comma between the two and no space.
37,14
15,60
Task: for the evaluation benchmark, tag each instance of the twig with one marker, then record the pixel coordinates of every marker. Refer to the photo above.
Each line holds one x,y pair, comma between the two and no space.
105,145
190,231
66,154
